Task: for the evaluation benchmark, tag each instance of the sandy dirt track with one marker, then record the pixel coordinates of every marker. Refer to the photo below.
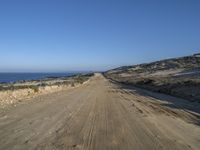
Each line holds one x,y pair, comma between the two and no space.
101,115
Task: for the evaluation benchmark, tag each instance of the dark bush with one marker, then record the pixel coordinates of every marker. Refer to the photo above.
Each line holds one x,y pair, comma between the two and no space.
35,88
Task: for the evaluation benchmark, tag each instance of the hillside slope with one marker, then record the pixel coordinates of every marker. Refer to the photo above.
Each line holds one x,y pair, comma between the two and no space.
177,76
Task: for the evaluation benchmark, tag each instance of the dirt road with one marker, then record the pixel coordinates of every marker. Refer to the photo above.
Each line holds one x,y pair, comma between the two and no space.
101,115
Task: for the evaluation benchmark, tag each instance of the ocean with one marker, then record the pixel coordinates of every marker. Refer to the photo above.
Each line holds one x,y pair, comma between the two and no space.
12,77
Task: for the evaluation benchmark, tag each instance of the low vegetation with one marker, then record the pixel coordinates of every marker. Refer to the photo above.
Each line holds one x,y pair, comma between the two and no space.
35,84
178,76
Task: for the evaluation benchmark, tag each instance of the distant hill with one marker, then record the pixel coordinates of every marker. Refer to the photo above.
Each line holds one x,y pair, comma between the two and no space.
187,62
173,76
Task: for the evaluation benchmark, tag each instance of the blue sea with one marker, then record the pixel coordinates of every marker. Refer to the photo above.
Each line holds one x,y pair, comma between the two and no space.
12,77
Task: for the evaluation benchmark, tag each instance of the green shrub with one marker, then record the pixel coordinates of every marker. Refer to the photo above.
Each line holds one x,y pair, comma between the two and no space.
35,88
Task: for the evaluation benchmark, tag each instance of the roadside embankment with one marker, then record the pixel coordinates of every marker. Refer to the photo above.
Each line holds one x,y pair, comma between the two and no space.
178,77
14,92
183,87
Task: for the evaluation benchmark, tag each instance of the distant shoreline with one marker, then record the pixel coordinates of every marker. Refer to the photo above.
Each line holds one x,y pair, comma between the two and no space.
23,77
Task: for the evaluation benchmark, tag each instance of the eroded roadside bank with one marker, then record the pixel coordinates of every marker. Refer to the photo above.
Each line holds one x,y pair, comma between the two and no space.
11,93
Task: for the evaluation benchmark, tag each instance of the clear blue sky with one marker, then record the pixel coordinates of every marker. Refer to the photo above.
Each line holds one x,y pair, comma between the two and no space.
68,35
